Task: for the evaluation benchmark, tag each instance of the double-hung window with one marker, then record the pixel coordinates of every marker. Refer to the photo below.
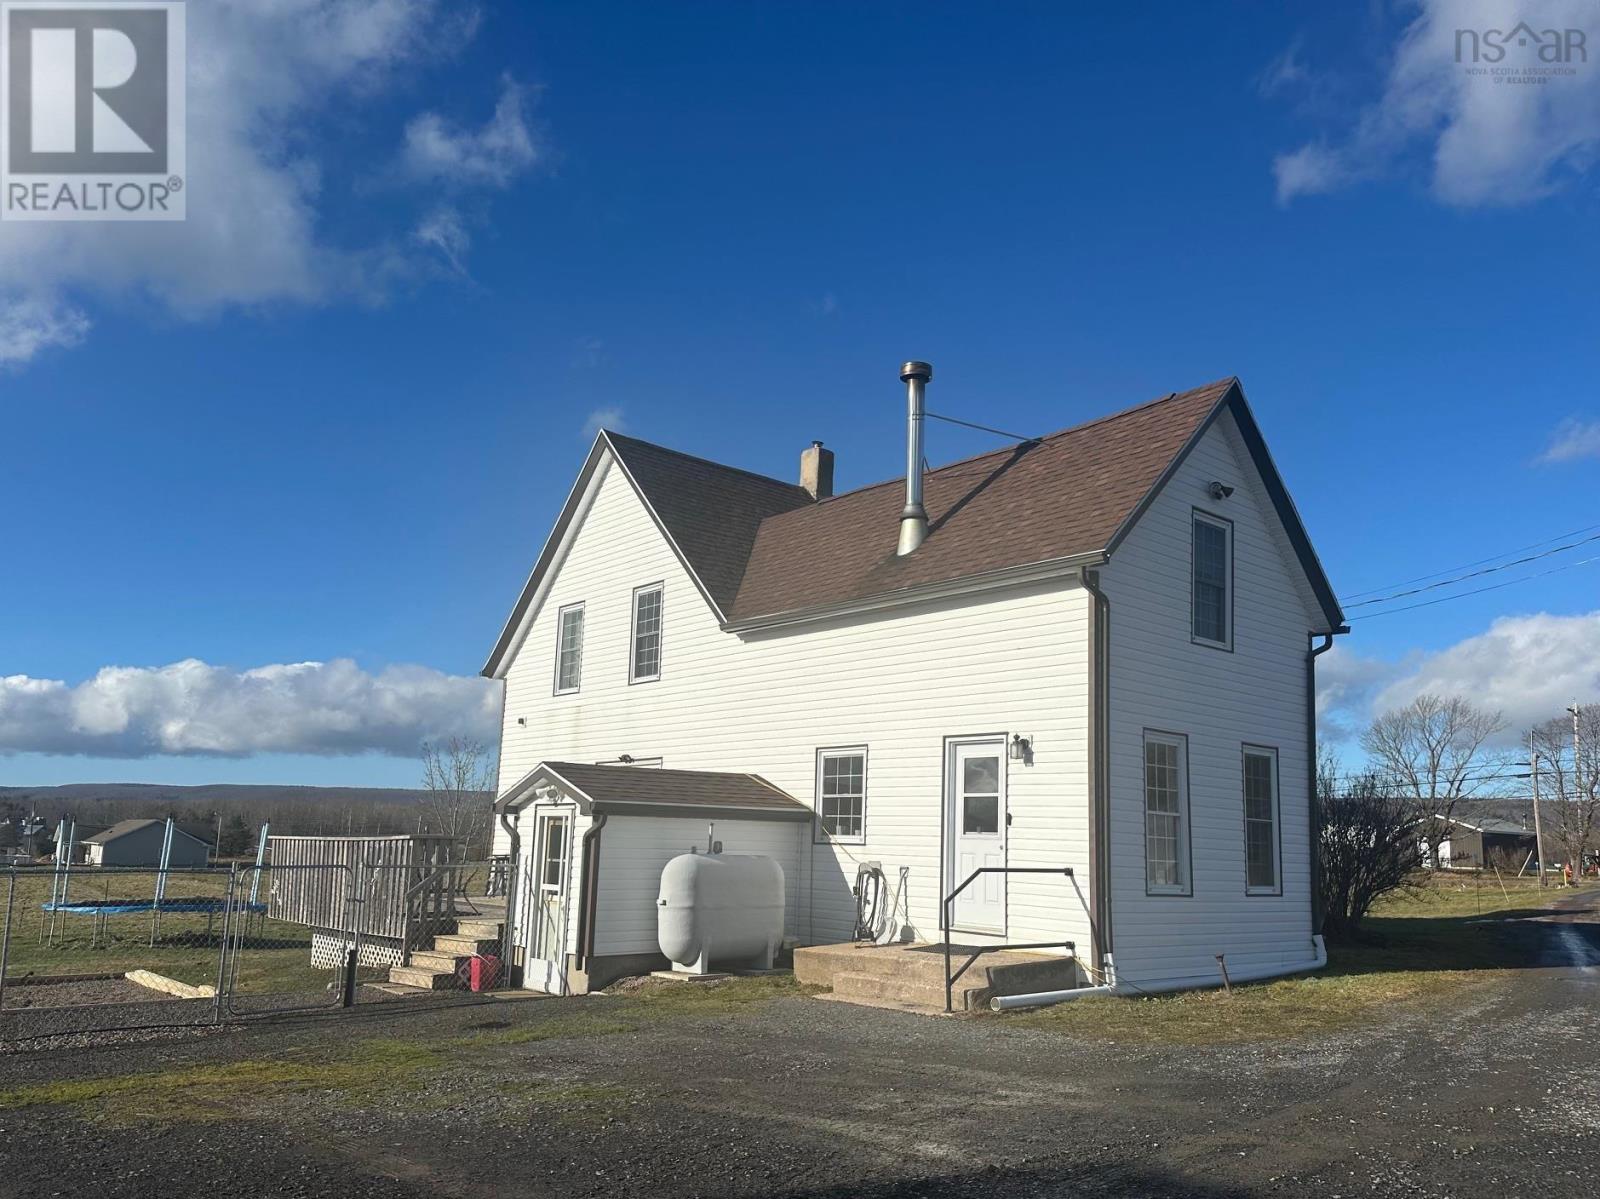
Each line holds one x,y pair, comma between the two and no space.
1261,820
1211,558
842,793
644,661
1166,814
569,649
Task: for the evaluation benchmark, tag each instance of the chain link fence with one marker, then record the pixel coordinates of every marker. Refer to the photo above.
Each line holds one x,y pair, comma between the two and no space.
105,949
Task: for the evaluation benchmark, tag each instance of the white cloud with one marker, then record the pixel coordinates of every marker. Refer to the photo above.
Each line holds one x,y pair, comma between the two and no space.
444,231
1572,440
604,418
1486,142
37,323
440,151
192,708
1527,667
264,75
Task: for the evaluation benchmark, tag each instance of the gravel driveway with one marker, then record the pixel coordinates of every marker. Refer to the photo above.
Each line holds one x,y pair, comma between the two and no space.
1498,1094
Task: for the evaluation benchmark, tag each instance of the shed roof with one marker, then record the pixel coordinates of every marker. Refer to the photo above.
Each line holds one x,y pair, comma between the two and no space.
654,790
123,827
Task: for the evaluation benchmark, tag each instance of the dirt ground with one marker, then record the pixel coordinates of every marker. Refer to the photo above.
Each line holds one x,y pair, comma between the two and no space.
1496,1093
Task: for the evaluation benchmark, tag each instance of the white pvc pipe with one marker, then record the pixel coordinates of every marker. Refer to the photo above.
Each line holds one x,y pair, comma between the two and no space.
1192,982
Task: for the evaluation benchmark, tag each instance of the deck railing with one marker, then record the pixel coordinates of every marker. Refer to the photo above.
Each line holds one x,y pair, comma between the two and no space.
389,868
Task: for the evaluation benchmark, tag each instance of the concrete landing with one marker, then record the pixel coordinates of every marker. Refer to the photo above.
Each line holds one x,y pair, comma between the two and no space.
911,977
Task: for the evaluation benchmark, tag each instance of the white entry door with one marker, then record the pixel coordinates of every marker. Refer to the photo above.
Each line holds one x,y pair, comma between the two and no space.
552,869
975,833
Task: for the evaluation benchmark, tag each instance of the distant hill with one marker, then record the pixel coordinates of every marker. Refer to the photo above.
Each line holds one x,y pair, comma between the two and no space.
209,793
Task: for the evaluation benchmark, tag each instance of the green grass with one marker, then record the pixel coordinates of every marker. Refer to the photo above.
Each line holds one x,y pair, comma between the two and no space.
1417,947
210,1093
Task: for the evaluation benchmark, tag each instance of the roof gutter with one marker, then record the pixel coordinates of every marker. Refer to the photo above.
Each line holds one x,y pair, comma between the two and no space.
1007,576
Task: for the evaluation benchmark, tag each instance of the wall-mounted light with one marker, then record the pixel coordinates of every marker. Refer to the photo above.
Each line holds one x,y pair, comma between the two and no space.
1218,490
523,721
1021,747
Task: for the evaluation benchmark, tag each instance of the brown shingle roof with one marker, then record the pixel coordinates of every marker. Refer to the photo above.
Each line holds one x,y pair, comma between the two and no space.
1066,494
628,786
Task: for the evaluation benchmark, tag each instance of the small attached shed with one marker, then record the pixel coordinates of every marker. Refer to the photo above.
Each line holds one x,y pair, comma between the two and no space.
138,843
592,841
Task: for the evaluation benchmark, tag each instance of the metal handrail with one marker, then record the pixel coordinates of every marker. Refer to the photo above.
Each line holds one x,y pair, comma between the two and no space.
944,924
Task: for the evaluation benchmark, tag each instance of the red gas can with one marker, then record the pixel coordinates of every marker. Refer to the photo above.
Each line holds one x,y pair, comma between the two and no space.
481,972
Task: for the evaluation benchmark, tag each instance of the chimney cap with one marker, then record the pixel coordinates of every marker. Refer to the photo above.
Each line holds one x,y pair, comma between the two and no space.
916,370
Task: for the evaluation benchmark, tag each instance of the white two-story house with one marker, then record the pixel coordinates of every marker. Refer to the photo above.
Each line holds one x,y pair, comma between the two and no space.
1093,651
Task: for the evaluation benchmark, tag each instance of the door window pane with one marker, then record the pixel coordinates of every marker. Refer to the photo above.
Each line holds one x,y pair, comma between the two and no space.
980,814
555,853
981,774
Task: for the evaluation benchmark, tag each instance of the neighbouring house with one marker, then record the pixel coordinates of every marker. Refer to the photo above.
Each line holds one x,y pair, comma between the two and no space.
1094,650
1490,841
138,843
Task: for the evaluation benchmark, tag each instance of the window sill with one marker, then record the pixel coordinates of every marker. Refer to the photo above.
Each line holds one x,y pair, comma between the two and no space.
1225,646
1169,892
1264,892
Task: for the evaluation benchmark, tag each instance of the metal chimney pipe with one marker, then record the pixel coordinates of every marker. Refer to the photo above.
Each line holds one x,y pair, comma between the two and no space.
914,519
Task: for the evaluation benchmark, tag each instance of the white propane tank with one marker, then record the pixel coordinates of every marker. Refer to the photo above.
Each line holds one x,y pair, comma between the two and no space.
720,907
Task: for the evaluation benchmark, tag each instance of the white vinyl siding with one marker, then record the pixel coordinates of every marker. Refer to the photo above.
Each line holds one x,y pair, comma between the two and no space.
644,665
901,682
1166,834
569,649
1260,820
842,794
1162,679
1211,587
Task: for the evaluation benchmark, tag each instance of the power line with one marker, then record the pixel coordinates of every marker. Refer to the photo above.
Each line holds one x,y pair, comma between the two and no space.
1478,590
1355,595
1478,573
966,424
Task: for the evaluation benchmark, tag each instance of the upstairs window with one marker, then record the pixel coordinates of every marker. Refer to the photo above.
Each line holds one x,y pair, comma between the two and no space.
569,649
1212,568
1260,820
842,794
644,663
1166,814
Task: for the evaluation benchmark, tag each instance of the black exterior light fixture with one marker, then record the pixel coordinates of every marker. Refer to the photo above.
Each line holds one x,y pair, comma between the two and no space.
1021,748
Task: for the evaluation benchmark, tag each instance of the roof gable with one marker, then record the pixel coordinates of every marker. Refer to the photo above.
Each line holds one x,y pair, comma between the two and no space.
623,789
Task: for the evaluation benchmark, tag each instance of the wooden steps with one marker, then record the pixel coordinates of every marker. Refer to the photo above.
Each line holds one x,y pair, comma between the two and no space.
438,967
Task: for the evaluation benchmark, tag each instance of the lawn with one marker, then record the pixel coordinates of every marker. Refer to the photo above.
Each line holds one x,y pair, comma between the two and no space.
1416,946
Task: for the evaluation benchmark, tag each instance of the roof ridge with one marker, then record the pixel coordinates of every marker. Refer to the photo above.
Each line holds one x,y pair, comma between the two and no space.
738,470
1078,428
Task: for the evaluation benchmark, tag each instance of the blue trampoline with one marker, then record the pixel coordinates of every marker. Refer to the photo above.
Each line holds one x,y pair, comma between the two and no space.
99,910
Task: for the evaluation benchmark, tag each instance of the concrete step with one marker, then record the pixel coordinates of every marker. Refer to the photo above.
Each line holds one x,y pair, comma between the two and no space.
398,989
421,976
465,946
484,930
435,959
901,992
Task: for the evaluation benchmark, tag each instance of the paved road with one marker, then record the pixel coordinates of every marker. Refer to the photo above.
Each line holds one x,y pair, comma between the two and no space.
1498,1095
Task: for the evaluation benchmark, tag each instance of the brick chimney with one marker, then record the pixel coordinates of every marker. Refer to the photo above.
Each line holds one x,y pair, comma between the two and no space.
816,471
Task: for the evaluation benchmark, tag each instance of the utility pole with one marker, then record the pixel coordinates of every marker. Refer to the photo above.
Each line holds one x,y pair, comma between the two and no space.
1538,829
1577,782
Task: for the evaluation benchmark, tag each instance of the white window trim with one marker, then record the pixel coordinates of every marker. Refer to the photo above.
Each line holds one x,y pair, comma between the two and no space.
633,632
561,628
1199,516
823,836
1184,854
1269,752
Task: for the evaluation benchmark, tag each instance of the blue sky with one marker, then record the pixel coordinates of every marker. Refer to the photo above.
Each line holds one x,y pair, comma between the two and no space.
431,245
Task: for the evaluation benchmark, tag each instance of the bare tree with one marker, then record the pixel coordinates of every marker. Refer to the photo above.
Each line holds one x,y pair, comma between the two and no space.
1368,845
1433,753
1568,751
458,777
